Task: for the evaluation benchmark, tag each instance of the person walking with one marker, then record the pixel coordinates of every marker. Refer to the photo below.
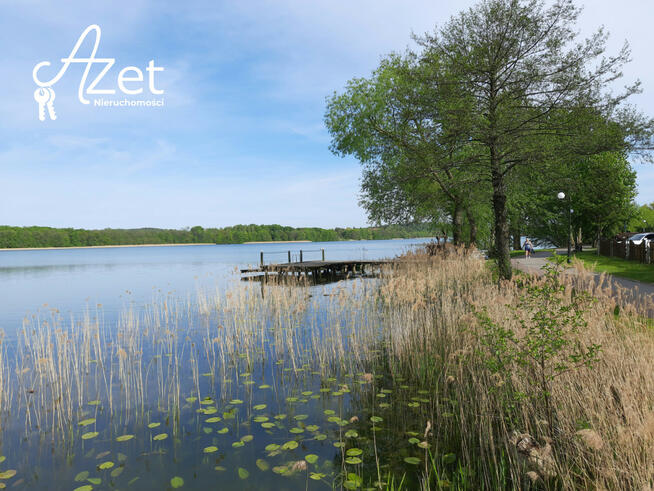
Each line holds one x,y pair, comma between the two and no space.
529,248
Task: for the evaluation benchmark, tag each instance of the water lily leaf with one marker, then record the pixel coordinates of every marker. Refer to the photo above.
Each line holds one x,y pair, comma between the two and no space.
215,419
117,472
413,441
261,419
351,434
160,436
206,401
7,474
238,444
264,386
307,393
94,403
87,422
320,436
191,399
259,407
177,482
376,419
243,473
220,468
247,438
296,430
234,402
222,431
210,410
353,452
313,428
353,460
412,460
106,465
300,417
210,449
280,417
311,458
89,435
154,425
124,438
81,477
85,487
2,458
262,465
290,445
280,469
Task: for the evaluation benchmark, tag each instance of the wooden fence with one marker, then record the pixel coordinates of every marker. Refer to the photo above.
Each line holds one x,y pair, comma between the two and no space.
643,252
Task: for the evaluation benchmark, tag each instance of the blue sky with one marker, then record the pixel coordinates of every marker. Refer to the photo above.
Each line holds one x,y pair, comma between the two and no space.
241,136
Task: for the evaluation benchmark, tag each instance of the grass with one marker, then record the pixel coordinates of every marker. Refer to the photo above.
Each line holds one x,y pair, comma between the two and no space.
632,270
521,253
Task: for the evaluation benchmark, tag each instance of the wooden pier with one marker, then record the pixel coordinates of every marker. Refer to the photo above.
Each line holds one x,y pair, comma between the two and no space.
316,269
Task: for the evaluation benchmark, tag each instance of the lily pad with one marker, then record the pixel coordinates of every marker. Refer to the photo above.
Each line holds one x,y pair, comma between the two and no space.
412,460
215,419
210,449
154,425
124,438
353,452
82,476
353,460
160,436
85,487
271,447
106,465
291,445
177,482
243,473
247,438
311,458
259,407
7,474
262,465
89,435
86,422
238,444
234,402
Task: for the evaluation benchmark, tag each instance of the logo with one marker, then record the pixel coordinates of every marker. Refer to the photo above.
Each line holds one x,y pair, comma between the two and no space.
130,80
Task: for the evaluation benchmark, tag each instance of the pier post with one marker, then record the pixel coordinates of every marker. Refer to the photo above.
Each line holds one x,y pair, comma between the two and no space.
261,257
289,257
300,255
323,254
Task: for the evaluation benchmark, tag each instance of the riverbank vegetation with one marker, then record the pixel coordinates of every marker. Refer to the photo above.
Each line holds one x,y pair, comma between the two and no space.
16,237
429,377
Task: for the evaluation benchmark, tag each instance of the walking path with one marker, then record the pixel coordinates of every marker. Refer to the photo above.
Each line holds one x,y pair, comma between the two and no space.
623,288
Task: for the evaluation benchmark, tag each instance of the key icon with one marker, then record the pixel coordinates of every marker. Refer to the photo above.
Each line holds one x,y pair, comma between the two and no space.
42,96
50,105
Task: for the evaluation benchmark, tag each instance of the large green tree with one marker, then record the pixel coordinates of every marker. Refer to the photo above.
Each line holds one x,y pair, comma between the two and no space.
502,86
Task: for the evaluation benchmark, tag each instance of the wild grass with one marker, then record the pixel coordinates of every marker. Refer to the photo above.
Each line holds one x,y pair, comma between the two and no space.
418,325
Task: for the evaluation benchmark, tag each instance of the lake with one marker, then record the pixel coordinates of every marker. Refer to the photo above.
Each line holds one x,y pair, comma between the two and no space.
158,368
71,280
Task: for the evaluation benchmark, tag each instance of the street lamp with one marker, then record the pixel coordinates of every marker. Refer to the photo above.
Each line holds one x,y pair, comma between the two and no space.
561,196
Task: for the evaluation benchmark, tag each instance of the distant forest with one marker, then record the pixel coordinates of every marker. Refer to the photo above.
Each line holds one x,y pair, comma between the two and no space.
13,237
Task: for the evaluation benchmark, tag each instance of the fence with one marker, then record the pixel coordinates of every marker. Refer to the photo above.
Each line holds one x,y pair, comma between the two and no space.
293,257
643,252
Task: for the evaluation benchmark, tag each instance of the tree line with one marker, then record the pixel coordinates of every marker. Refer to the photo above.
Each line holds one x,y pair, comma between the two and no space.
488,120
15,237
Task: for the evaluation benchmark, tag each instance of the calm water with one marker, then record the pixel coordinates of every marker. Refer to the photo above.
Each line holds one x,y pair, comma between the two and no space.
124,369
71,280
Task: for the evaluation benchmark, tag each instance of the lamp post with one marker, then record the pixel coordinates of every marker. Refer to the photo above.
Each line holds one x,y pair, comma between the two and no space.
561,196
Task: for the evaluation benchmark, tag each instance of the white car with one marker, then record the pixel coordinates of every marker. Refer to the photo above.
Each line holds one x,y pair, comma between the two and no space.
638,238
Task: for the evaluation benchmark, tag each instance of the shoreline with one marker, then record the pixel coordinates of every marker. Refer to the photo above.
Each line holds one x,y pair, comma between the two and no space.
100,247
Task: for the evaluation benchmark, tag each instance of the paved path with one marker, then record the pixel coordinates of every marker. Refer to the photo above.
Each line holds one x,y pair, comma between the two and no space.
623,289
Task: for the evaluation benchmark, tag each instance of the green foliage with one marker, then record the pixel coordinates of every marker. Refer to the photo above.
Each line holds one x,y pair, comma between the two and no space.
643,219
549,342
14,237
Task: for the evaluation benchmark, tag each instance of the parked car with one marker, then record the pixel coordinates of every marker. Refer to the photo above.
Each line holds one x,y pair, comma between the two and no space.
638,238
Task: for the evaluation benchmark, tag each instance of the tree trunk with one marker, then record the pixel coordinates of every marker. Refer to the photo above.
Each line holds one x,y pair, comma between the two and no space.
457,224
517,244
502,252
473,227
